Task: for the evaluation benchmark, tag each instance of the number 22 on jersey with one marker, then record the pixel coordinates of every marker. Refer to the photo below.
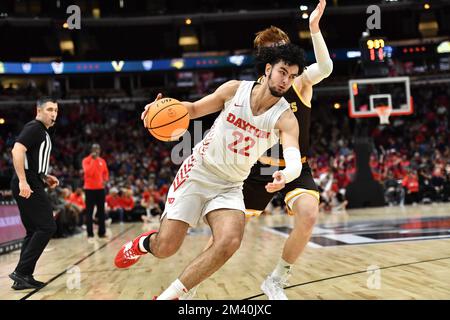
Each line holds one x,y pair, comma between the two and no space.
241,144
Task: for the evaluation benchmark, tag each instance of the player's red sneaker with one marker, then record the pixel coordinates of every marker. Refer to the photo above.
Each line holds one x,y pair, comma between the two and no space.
129,254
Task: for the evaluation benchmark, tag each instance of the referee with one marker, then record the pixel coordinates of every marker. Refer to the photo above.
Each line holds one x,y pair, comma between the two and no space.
31,156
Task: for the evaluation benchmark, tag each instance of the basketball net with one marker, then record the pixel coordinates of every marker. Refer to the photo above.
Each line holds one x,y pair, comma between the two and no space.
383,113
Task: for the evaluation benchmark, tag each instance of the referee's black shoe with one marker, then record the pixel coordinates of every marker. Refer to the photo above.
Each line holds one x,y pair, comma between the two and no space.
25,282
20,286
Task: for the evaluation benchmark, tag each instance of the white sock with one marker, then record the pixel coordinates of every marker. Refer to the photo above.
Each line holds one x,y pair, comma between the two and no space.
174,291
282,269
141,244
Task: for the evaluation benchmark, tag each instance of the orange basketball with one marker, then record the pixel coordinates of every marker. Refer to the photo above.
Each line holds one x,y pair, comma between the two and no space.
167,119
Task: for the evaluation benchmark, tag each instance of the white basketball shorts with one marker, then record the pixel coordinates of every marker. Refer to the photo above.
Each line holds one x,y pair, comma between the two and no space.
196,191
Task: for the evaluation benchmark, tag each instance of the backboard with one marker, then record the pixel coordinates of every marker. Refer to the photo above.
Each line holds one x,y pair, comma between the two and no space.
367,94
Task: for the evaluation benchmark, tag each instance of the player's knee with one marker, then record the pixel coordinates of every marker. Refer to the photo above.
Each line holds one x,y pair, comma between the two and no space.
228,246
308,216
235,244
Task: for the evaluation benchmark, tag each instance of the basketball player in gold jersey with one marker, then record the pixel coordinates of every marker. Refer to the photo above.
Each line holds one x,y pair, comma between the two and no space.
301,195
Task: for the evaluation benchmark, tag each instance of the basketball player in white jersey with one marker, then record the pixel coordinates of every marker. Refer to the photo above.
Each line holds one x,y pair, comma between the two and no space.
209,183
301,195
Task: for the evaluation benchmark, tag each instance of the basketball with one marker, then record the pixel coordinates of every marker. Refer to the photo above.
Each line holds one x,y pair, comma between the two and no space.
167,120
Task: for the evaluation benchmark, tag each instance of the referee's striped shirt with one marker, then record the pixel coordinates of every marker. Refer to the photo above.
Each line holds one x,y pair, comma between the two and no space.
34,136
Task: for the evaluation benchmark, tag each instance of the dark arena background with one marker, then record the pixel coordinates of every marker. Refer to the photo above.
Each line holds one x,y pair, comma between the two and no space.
379,143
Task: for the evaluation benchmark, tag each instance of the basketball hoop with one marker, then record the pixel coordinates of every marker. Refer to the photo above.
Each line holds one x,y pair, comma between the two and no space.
383,113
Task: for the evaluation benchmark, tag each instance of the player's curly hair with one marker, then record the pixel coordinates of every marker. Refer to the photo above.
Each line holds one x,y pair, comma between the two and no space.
290,54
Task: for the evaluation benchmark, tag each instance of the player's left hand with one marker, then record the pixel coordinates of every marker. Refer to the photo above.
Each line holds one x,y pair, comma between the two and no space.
51,181
144,113
315,16
279,181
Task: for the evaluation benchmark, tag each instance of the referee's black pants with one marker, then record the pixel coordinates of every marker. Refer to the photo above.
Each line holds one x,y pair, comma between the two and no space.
95,198
37,217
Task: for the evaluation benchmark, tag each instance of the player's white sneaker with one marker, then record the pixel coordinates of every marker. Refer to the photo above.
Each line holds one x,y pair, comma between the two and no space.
273,287
189,295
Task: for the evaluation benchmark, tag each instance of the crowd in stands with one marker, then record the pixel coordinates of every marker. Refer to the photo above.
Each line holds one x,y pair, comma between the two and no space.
140,167
411,157
22,91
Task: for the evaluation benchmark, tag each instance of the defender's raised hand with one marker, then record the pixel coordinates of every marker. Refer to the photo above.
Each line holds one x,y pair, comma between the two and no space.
315,16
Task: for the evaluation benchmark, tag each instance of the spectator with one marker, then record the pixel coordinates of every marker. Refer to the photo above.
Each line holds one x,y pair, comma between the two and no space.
427,192
114,205
437,182
411,185
77,199
127,203
64,213
152,208
96,174
394,193
446,189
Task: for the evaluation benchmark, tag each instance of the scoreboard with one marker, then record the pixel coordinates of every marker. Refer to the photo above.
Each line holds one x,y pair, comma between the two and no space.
374,56
372,49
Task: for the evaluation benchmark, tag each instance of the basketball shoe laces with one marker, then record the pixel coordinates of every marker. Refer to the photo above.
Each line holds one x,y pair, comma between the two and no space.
282,281
273,287
132,252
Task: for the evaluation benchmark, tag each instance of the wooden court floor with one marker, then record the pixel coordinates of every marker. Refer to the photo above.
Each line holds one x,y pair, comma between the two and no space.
382,253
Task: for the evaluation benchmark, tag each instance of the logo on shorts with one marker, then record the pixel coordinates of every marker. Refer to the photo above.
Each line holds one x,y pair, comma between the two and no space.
171,200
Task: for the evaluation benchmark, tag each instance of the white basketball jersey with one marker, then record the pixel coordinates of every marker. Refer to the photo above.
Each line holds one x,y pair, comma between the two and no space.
238,138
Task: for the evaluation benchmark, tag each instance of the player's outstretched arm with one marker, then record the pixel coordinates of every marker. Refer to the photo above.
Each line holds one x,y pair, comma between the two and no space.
213,102
289,133
324,65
